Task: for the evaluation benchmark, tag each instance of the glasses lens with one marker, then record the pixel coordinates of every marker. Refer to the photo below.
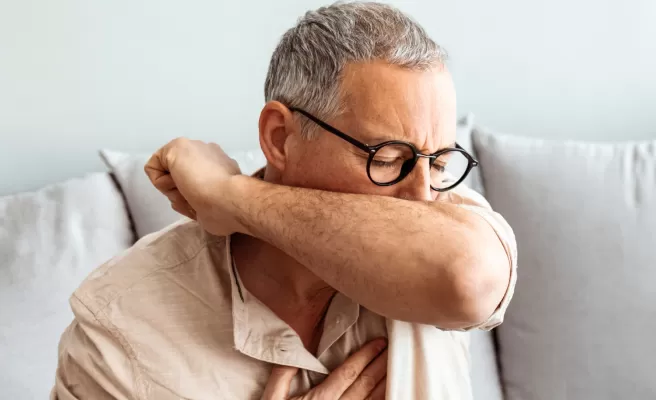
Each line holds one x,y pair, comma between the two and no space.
448,169
389,162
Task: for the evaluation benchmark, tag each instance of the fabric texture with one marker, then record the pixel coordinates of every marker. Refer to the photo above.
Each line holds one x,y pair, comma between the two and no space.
149,209
169,319
584,215
49,241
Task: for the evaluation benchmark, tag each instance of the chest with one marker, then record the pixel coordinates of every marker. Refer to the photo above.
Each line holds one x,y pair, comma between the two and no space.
223,363
216,367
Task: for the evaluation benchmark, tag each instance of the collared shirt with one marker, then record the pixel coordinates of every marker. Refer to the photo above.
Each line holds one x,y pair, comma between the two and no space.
169,319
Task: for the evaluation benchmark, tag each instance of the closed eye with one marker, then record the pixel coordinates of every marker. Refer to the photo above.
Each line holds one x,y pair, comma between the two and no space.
386,164
439,167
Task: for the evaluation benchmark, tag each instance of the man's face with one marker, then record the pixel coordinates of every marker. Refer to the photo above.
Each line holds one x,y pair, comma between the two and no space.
382,102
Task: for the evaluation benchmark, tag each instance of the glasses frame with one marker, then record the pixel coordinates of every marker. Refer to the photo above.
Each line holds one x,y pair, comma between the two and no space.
406,169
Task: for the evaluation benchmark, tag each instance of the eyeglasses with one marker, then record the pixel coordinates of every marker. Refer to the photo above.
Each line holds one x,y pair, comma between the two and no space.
391,161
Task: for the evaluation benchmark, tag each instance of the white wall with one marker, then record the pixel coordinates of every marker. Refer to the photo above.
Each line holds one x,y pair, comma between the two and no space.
78,75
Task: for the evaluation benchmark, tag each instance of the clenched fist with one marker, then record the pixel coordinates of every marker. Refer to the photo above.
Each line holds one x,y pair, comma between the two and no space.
196,178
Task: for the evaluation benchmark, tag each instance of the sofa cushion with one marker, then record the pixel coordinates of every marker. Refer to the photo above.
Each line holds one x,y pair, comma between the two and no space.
149,209
49,241
584,214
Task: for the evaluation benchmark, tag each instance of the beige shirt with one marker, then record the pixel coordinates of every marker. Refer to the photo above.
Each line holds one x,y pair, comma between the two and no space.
170,319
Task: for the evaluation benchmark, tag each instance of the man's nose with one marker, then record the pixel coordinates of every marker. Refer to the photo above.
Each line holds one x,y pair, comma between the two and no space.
416,186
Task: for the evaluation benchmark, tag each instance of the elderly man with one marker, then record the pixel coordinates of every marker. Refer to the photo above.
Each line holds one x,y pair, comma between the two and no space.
358,228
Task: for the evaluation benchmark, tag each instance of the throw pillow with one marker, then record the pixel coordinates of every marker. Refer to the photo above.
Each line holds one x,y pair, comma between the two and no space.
581,323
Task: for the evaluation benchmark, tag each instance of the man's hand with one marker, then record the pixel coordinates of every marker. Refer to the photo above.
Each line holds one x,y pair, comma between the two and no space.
194,176
362,376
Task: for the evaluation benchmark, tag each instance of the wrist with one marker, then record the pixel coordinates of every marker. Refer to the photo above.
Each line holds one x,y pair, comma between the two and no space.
236,201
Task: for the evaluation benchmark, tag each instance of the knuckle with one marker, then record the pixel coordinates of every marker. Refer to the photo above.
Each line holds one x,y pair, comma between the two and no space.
367,382
180,143
350,372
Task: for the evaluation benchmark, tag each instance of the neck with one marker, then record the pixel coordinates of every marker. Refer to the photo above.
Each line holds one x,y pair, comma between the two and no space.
290,290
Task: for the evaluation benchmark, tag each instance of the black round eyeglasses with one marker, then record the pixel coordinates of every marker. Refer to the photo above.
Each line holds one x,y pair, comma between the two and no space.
391,161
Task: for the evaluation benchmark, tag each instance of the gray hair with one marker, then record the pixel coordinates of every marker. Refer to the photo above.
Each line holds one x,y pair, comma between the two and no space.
307,64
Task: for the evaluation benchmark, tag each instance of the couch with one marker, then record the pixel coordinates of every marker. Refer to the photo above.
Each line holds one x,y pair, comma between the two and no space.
581,324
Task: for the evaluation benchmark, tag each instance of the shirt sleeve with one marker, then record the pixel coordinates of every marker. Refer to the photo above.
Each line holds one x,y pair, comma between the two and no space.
92,362
476,203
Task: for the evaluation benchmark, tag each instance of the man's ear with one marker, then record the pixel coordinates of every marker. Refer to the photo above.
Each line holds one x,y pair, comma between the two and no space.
276,125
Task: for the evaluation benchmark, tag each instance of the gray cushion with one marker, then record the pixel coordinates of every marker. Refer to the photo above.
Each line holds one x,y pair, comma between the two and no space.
581,324
49,241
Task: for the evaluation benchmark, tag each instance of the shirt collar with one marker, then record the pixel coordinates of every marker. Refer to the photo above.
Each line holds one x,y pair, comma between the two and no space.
260,334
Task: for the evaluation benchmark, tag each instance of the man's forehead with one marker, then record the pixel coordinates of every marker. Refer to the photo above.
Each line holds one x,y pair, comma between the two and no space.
385,102
382,90
380,77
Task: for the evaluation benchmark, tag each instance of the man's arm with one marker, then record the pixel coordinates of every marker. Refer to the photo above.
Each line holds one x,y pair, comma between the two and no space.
92,363
428,262
435,263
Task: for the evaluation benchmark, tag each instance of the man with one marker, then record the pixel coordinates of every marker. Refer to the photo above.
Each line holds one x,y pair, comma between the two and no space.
357,228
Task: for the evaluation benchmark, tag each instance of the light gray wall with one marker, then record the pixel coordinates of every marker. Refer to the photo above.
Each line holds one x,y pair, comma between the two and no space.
79,75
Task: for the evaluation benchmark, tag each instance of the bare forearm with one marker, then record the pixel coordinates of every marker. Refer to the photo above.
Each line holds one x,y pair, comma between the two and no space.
414,261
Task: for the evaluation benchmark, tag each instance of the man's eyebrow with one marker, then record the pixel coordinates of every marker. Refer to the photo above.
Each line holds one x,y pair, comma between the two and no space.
450,146
386,138
381,139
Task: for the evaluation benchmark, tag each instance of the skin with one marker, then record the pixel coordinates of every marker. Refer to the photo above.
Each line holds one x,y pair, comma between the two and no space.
361,376
316,224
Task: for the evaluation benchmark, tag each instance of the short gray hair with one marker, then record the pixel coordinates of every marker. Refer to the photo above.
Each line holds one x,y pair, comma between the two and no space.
307,64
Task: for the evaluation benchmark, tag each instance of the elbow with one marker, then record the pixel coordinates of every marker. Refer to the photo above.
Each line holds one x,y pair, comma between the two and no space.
476,308
476,290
